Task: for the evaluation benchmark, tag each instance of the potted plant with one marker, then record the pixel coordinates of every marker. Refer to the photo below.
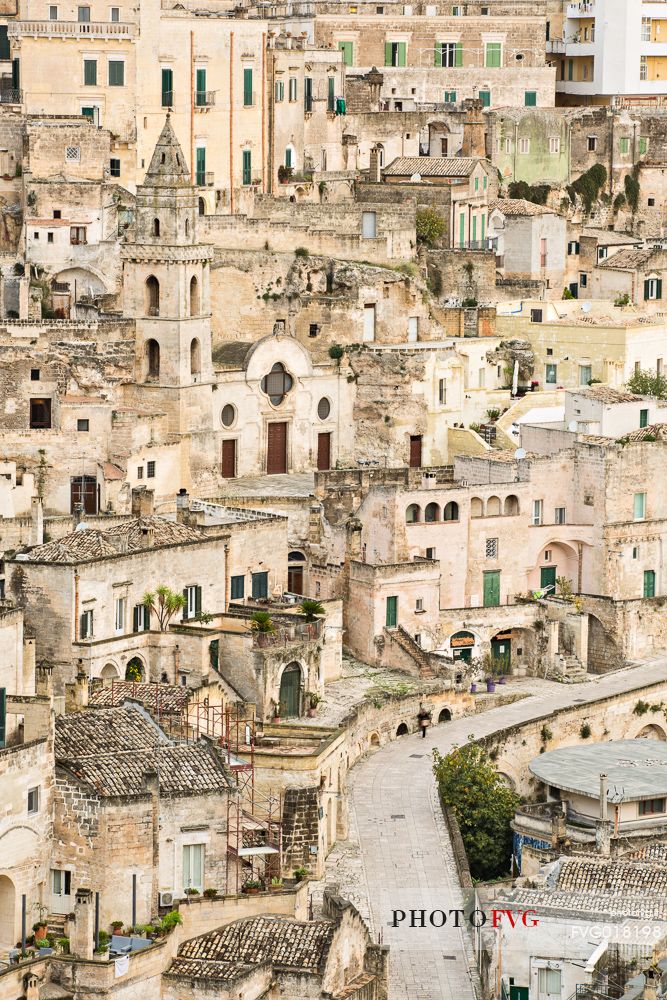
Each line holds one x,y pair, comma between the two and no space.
63,945
313,699
300,874
116,926
102,949
210,893
311,609
45,947
191,891
251,887
170,920
275,714
40,929
276,885
490,685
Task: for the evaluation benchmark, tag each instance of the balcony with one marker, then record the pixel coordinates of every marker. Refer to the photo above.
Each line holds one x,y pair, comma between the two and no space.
71,29
586,8
556,46
11,96
205,178
204,99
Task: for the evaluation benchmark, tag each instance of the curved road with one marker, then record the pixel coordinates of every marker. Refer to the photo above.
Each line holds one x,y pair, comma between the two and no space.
398,856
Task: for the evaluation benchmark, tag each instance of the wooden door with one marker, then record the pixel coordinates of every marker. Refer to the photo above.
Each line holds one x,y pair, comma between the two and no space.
276,449
83,490
415,451
323,451
295,579
548,577
492,589
391,618
290,691
229,458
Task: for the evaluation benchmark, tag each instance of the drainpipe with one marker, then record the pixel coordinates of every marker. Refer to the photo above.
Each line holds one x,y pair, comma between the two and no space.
271,97
603,798
192,107
231,123
76,602
263,112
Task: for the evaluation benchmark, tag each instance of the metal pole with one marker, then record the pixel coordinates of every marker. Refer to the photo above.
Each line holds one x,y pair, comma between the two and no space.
23,923
134,901
97,920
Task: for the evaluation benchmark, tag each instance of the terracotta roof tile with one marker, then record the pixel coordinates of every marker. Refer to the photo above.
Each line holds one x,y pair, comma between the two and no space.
432,166
168,699
88,543
289,944
519,207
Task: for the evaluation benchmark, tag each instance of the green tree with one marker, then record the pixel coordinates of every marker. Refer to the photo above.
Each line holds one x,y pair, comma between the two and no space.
648,383
261,621
430,226
483,805
311,609
164,604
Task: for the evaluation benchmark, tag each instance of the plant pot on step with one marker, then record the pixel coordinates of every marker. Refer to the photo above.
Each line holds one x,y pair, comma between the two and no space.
490,685
473,689
502,680
311,712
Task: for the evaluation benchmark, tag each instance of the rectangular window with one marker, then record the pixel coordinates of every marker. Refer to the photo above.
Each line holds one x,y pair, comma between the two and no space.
491,548
493,55
646,29
536,315
331,93
114,15
573,248
448,55
247,88
90,72
77,236
643,418
140,472
643,145
369,225
592,143
524,146
192,597
651,807
530,98
624,144
394,53
450,97
442,391
260,585
554,144
635,552
643,68
83,15
247,167
167,88
34,374
292,90
200,166
193,867
485,98
419,604
83,425
649,583
86,625
33,799
583,280
559,515
150,470
114,167
551,374
585,374
537,511
116,73
280,91
652,289
200,88
347,48
430,553
121,604
237,588
639,507
53,13
549,983
141,618
72,155
308,94
40,413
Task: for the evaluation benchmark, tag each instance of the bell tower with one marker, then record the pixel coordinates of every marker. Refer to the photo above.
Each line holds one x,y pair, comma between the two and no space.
166,276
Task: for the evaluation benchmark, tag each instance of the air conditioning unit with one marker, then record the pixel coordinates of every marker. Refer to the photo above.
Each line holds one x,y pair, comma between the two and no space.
167,898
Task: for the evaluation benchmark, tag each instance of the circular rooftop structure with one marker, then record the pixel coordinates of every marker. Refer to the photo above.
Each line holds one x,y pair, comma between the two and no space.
635,769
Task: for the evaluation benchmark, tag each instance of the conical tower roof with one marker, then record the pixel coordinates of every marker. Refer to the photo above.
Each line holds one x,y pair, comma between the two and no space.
168,167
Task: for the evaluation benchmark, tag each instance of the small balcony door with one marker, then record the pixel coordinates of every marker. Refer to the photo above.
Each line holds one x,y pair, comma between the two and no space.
391,619
229,458
61,891
415,451
323,451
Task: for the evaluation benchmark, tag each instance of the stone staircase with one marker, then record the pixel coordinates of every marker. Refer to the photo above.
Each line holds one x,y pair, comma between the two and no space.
56,926
403,639
571,669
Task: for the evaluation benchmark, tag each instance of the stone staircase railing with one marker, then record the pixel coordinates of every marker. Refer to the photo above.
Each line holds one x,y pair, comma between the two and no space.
403,639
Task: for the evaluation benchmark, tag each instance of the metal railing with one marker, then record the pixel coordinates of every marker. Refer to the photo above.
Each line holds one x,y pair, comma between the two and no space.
205,178
11,96
204,98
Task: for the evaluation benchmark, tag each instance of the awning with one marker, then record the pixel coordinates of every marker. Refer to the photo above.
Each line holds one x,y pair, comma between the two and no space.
501,636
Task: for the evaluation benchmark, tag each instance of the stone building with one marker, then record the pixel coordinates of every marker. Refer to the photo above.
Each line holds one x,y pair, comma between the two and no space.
529,241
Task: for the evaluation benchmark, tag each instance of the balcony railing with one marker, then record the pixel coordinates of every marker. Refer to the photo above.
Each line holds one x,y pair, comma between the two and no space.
75,29
205,178
204,98
11,96
488,244
286,634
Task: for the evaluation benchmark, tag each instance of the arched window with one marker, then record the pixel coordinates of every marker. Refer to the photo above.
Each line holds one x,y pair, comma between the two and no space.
493,507
295,556
134,670
476,507
432,512
290,697
152,296
163,158
152,359
187,227
413,513
451,511
194,296
380,151
511,504
277,383
195,357
202,206
156,227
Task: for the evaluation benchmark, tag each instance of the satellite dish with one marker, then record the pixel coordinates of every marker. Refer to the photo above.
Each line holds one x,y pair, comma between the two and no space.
572,426
586,307
520,453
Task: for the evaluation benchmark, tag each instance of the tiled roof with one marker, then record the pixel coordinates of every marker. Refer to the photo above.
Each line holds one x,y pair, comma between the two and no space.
431,166
607,394
208,970
640,906
607,237
650,852
129,536
289,944
231,355
165,699
519,207
112,749
577,876
628,260
658,431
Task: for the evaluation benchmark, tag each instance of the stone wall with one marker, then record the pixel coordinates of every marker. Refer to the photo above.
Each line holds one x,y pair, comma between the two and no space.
300,827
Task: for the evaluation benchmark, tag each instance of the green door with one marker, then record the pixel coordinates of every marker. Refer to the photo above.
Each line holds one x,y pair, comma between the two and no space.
200,96
290,690
200,155
649,583
501,651
392,612
167,88
247,166
492,589
548,577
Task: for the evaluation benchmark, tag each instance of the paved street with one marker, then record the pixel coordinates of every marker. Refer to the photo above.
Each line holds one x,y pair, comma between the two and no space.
398,855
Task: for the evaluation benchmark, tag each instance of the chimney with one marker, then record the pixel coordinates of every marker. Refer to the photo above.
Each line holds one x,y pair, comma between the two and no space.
375,170
31,987
36,521
474,141
603,798
651,983
143,502
182,506
148,536
82,939
76,694
78,513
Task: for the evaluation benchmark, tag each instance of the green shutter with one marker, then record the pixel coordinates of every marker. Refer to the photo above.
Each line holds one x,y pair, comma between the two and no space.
643,418
331,95
438,56
646,289
3,716
474,228
167,88
483,225
492,589
135,617
450,97
247,88
493,54
649,583
387,53
530,99
462,229
643,145
346,49
185,606
458,59
197,601
90,72
116,73
391,614
200,95
485,98
308,93
147,619
247,166
214,653
200,160
401,53
658,291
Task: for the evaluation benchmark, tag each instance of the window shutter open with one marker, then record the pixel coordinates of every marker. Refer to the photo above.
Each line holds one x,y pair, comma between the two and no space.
646,289
135,618
147,619
387,53
401,53
3,716
185,606
197,600
438,56
82,626
459,54
658,288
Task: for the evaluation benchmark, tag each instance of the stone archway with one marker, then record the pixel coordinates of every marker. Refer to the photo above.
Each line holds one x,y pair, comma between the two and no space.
374,740
445,715
652,732
134,671
7,912
109,673
603,651
291,693
402,729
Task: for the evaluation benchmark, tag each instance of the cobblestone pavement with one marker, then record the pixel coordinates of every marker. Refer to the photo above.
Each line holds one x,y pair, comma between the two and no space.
398,855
